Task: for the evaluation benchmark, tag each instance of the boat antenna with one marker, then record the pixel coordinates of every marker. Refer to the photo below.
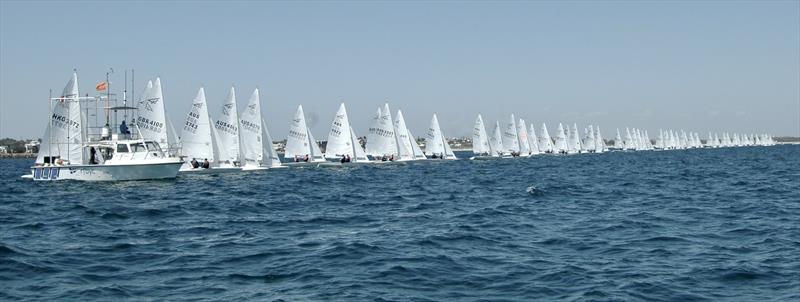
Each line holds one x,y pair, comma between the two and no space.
133,82
125,97
50,124
108,96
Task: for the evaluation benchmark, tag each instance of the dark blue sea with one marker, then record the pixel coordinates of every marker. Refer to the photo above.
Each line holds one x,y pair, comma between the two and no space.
693,225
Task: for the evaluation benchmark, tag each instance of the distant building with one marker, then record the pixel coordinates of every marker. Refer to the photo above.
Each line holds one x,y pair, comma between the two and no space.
32,147
3,149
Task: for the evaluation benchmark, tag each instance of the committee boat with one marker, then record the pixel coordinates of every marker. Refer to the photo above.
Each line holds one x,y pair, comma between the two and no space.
73,150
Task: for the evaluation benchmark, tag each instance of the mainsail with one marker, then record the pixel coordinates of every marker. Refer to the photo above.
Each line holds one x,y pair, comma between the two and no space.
64,135
480,140
227,128
545,142
250,133
339,139
196,138
402,137
300,142
381,140
152,116
522,136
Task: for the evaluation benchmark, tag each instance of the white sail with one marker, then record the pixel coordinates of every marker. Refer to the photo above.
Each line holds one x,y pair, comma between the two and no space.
196,140
227,127
533,141
339,140
380,139
496,141
415,149
574,140
522,136
545,142
402,138
480,140
628,143
316,154
599,143
434,144
250,133
300,142
448,152
270,158
435,141
360,155
152,116
64,135
589,140
561,140
510,137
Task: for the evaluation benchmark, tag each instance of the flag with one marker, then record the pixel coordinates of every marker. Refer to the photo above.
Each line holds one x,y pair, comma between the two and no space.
101,86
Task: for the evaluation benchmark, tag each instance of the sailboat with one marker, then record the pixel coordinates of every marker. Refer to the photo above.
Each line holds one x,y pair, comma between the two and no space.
342,140
522,136
70,152
381,141
629,144
227,130
588,140
533,141
480,141
198,142
407,147
301,147
574,143
561,140
545,142
153,121
435,143
256,151
619,144
599,143
510,138
496,140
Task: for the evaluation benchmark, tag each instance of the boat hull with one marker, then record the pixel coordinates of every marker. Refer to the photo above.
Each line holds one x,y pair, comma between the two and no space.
162,170
315,164
212,170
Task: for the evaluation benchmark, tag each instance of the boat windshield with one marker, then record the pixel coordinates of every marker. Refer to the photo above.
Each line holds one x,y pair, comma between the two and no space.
122,148
138,147
152,146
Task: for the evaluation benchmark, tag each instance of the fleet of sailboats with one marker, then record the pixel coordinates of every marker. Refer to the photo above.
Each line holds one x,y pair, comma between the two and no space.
240,140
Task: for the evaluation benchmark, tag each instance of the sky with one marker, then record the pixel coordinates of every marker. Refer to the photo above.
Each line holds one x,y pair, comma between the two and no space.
694,65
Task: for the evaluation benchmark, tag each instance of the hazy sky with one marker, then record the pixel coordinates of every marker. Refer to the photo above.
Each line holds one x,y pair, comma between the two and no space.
700,66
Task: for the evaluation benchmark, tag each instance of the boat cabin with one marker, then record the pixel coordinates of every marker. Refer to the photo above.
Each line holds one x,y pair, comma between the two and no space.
111,152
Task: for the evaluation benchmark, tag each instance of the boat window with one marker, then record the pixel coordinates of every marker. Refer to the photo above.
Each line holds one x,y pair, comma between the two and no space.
138,147
122,148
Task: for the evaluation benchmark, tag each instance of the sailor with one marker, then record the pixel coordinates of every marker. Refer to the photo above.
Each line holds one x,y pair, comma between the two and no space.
206,164
306,158
123,129
92,156
348,158
194,163
344,159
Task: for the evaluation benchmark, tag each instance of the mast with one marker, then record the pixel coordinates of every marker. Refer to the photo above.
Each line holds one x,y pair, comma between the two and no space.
50,124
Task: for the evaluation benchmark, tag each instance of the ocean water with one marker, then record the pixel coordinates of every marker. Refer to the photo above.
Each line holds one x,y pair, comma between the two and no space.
693,225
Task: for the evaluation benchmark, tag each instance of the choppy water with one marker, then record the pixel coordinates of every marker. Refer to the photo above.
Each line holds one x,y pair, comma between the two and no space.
690,225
